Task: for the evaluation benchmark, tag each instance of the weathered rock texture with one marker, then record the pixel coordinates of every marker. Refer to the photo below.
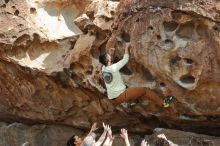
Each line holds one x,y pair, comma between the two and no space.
18,134
49,70
175,48
184,138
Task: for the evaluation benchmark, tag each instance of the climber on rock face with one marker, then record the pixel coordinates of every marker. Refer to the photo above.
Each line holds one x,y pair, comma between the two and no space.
116,88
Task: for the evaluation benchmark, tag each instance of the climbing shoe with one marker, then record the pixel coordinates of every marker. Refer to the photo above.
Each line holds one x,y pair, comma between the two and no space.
168,101
134,102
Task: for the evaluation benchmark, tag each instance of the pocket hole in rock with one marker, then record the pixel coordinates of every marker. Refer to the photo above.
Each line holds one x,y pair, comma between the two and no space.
112,12
61,78
162,84
33,10
202,30
187,79
174,60
168,44
137,20
36,37
16,13
95,52
170,26
72,44
158,37
150,28
125,36
89,72
186,30
2,35
188,61
176,15
6,1
215,28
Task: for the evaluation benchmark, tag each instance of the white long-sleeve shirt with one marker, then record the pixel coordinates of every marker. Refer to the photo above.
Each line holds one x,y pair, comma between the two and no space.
116,86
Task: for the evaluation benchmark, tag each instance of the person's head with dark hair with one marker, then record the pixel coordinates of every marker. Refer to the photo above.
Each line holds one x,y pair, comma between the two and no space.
107,58
103,59
161,142
74,141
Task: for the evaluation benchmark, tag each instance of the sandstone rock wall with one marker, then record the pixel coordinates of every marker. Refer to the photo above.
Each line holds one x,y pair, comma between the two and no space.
175,44
18,134
183,138
49,70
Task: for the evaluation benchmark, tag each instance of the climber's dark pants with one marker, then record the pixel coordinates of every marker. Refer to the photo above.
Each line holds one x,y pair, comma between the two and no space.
137,92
